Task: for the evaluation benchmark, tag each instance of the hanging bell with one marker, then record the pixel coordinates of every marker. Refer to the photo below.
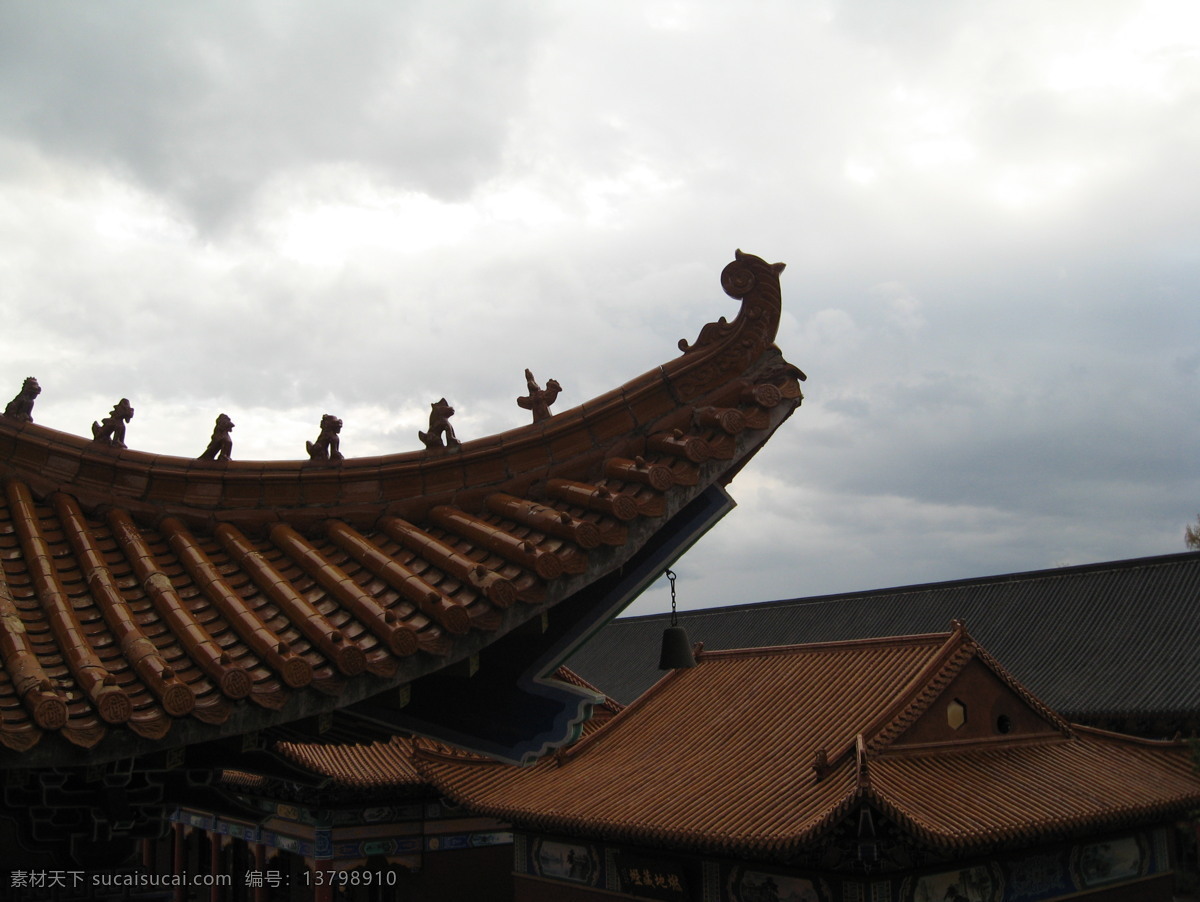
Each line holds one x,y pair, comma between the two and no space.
676,649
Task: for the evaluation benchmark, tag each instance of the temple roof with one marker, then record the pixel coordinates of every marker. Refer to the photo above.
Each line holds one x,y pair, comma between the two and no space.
150,602
761,752
1110,643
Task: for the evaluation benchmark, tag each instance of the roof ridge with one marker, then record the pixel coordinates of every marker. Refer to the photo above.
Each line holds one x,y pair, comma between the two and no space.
1147,561
830,645
1056,720
342,582
565,674
424,748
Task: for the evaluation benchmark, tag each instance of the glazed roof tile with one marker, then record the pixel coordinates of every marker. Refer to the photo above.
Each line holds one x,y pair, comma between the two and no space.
760,752
379,765
1095,782
149,601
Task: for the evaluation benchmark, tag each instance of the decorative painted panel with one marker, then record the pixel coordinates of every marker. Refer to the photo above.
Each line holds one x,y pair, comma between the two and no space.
1038,876
980,883
1043,875
368,847
1111,861
576,862
748,884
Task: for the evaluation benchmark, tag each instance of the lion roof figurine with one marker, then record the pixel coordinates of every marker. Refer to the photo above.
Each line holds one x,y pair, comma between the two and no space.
21,407
325,448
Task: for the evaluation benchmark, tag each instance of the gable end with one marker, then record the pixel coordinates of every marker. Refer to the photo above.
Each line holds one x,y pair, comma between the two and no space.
976,706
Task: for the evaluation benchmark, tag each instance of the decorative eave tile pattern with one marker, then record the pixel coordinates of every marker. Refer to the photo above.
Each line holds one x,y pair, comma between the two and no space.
761,753
151,602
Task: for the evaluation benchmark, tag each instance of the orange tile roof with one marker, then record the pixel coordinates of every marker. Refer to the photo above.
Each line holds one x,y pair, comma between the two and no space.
1095,781
149,602
379,765
758,753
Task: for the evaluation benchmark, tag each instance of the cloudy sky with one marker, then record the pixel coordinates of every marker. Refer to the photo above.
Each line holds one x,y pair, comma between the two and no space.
989,212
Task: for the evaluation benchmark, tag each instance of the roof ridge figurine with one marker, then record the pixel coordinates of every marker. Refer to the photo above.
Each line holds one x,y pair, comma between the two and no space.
21,407
111,430
325,448
539,399
440,413
220,447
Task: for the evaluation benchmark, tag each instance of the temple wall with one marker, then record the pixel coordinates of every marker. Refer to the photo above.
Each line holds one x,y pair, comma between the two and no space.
1125,867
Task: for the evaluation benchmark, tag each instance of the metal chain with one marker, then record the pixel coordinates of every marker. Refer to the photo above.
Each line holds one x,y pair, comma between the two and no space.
671,577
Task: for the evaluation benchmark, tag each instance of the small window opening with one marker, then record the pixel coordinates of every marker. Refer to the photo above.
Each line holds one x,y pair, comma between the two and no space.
956,714
1003,724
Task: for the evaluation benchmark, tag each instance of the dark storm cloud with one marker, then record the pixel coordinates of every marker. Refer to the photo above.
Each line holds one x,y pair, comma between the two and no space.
205,102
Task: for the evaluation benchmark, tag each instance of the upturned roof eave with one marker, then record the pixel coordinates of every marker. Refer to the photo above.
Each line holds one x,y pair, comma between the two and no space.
71,507
149,484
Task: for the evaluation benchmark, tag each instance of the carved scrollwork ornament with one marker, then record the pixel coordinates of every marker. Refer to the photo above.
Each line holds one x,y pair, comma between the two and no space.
738,278
723,347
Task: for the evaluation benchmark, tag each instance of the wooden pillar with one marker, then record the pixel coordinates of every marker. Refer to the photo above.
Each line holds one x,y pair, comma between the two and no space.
1197,826
180,892
260,865
323,860
324,890
214,865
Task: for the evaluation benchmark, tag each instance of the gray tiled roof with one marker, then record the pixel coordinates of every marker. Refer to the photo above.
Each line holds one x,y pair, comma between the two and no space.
1110,642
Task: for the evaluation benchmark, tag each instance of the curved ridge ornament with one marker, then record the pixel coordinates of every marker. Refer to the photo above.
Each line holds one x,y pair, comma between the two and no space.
754,282
734,345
